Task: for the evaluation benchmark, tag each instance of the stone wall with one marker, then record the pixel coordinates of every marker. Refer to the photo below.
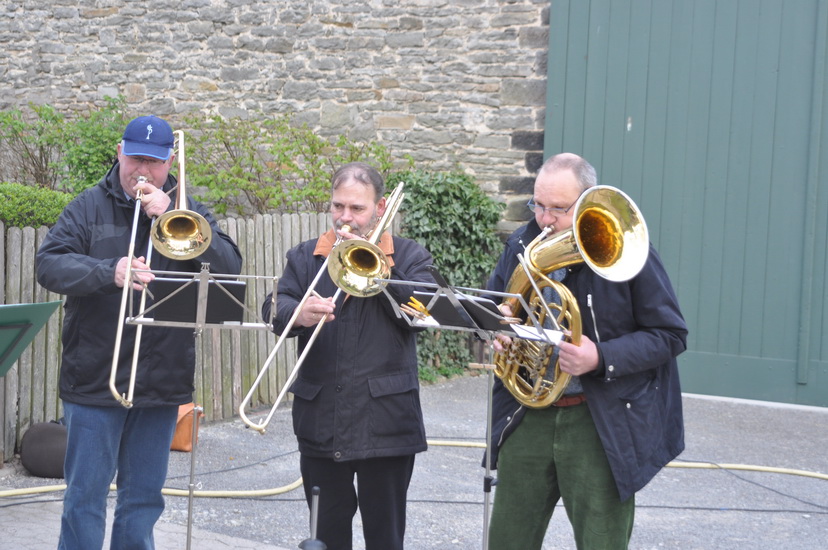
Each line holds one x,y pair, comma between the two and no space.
454,83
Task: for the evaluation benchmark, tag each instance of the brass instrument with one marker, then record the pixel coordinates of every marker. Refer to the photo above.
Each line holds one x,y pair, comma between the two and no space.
357,268
181,234
178,234
610,235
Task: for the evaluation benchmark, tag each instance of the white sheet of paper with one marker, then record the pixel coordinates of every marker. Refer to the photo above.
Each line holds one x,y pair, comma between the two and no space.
427,322
528,332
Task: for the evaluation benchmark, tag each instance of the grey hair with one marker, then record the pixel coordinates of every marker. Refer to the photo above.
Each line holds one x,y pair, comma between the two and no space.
584,172
363,173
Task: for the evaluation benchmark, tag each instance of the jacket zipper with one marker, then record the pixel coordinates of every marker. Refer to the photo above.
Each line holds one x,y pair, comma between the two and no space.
506,427
592,312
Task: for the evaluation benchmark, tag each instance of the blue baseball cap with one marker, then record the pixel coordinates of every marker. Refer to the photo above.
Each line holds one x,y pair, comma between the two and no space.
148,136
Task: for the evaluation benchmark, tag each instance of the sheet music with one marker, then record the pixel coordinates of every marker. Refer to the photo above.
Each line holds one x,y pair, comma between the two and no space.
528,332
427,322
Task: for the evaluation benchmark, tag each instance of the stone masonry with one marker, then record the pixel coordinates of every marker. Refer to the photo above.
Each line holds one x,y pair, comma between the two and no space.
454,83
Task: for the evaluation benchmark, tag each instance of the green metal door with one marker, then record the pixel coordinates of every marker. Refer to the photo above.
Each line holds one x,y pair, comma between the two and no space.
713,116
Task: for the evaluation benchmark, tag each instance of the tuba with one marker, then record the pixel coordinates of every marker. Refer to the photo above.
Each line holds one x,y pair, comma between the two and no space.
609,235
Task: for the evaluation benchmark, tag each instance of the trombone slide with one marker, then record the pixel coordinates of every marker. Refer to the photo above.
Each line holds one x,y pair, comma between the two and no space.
126,399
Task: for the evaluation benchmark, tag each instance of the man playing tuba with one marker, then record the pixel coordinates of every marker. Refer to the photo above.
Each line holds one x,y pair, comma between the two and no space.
619,420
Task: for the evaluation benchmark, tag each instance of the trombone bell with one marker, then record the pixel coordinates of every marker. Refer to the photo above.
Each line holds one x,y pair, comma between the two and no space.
355,266
181,234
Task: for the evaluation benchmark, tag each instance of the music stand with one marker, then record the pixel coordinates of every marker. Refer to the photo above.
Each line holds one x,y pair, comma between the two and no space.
473,310
192,292
19,324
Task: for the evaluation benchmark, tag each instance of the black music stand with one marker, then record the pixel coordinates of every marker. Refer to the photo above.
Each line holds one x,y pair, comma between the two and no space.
19,324
472,310
313,543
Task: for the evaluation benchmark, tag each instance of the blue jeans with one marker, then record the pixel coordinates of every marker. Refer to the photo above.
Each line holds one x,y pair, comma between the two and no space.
135,443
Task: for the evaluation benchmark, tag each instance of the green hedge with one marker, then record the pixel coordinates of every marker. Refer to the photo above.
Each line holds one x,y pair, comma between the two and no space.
268,164
45,148
456,221
26,206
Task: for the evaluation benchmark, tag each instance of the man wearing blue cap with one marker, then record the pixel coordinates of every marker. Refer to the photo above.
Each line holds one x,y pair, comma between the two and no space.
84,257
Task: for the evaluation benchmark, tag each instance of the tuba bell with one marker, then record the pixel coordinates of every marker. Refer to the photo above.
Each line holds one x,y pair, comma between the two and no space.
610,235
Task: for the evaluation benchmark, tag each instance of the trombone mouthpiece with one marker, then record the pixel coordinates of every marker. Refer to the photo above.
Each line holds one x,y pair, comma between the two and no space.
139,193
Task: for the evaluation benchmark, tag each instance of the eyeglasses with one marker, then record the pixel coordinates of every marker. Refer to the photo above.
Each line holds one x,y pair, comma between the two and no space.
149,161
554,210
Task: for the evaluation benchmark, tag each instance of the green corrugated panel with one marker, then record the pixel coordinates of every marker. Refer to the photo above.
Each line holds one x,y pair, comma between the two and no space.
709,115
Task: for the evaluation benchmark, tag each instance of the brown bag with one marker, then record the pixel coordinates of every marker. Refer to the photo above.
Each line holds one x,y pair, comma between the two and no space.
183,436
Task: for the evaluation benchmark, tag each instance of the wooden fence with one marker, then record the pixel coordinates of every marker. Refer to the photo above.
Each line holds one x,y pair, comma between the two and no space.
227,361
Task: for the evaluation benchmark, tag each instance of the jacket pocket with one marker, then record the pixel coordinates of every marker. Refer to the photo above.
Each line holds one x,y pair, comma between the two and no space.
395,405
306,413
642,409
305,390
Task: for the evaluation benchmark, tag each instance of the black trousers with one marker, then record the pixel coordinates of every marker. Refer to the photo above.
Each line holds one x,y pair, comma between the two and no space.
379,494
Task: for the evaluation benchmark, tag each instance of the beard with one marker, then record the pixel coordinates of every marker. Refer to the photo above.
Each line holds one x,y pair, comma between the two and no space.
361,230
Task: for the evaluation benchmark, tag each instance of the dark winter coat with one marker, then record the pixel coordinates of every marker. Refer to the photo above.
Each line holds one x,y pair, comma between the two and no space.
634,397
78,259
357,393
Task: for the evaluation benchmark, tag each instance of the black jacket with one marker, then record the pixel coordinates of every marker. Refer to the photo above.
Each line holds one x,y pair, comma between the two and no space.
634,397
357,393
78,259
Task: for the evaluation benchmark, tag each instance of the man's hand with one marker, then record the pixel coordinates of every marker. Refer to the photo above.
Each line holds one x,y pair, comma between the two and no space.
154,201
578,360
314,310
502,341
138,279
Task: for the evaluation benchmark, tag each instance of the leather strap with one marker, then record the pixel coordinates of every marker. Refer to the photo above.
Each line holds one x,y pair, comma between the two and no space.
570,400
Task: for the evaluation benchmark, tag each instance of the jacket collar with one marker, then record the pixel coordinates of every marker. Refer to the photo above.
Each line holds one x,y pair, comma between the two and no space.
521,238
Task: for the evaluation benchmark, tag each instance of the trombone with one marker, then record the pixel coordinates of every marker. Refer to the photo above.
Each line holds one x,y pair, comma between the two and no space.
357,268
178,234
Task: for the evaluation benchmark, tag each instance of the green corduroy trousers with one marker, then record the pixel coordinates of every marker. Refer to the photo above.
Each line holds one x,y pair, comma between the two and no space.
555,453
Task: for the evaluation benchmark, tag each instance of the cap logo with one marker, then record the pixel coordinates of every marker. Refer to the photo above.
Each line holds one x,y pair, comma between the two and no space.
149,130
